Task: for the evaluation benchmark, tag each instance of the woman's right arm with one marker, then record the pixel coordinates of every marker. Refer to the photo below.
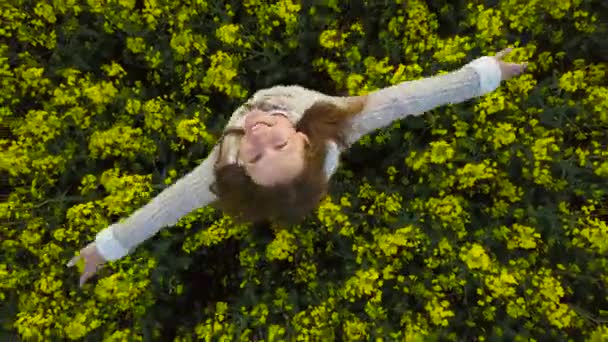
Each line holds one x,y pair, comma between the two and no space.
187,194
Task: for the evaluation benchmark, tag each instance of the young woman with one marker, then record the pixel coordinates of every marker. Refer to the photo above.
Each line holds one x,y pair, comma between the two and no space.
280,149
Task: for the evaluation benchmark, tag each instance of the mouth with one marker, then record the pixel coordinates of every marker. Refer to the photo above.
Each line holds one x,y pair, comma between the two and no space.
257,125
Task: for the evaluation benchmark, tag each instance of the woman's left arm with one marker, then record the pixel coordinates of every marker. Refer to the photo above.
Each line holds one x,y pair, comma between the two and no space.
386,105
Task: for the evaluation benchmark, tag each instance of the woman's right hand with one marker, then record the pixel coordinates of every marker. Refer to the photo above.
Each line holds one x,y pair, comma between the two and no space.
509,70
92,262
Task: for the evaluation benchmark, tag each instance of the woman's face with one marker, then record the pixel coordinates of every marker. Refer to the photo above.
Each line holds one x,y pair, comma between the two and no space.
272,151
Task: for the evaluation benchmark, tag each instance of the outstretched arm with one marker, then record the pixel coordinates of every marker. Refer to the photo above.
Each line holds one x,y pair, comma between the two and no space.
386,105
187,194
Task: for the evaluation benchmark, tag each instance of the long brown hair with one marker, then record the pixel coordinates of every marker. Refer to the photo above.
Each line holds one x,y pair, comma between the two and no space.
239,196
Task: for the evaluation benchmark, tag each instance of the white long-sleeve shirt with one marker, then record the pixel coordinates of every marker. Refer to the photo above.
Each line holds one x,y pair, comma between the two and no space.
382,107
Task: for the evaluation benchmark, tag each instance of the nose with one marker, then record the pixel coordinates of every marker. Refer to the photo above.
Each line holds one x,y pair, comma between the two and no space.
259,135
258,140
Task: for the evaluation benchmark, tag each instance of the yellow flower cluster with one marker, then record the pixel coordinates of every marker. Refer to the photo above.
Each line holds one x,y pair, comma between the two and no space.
474,218
120,141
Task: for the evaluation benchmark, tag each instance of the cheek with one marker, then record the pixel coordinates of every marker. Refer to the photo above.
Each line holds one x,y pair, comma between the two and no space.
278,139
286,128
293,157
298,145
244,148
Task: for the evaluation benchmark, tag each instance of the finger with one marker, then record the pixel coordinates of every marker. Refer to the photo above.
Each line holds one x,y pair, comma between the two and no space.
84,277
89,271
73,261
502,53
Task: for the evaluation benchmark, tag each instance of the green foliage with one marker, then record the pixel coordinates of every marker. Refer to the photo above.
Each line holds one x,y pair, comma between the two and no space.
479,221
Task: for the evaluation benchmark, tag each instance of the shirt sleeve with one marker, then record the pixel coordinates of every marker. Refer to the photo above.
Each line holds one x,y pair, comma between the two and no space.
386,105
187,194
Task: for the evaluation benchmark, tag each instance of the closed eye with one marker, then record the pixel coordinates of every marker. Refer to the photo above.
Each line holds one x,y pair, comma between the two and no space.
280,147
256,158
